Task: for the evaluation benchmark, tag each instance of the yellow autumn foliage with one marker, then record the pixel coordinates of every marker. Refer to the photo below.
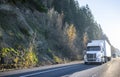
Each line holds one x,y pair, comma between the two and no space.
85,39
71,33
30,59
57,59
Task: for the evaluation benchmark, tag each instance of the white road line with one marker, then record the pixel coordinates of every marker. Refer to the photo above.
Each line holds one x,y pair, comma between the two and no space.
47,71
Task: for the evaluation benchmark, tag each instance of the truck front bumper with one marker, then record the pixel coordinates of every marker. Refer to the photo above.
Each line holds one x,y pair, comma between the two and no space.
94,60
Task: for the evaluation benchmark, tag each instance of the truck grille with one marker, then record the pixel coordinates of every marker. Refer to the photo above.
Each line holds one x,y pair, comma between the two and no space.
91,57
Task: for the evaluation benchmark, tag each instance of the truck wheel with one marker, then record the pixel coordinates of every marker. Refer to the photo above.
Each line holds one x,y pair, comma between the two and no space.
109,58
106,60
101,63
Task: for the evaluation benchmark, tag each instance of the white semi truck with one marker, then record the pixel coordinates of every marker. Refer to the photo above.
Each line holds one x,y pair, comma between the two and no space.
97,51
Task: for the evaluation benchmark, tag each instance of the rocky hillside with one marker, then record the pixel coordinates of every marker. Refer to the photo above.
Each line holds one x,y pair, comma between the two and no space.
39,32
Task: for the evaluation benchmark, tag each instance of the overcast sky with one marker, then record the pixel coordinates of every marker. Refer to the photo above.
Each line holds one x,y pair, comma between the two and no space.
107,14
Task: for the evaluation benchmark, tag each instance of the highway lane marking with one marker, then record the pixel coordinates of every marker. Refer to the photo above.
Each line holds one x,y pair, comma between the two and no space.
65,76
48,71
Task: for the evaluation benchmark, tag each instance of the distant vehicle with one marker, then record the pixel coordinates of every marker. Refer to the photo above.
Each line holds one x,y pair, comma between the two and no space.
98,51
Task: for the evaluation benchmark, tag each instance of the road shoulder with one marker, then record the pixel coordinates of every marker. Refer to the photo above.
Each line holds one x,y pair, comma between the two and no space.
37,68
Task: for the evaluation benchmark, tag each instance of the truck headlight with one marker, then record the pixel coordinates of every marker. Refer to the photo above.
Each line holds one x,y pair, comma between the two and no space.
99,55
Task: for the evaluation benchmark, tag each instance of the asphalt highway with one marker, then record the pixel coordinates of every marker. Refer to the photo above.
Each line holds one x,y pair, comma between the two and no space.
73,70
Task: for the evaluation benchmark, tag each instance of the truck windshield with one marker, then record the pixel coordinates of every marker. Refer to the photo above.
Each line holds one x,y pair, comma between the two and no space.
93,48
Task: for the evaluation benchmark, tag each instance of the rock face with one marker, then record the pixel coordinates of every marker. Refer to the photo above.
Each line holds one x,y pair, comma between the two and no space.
18,27
21,27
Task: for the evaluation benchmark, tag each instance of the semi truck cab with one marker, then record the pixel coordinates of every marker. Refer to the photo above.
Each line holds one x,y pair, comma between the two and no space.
96,52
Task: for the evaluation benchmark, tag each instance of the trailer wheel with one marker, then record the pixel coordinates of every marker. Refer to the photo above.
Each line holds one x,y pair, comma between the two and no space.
106,60
109,58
